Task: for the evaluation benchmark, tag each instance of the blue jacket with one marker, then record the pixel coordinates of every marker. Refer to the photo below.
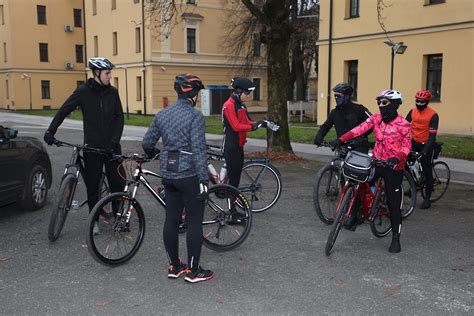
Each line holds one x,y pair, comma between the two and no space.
182,129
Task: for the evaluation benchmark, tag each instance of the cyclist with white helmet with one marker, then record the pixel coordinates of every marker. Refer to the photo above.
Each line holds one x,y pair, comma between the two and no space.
102,124
393,144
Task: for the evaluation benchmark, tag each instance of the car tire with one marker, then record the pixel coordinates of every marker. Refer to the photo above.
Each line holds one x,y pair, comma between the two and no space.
35,191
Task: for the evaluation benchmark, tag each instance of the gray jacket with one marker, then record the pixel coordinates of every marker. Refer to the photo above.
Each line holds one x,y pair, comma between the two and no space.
182,129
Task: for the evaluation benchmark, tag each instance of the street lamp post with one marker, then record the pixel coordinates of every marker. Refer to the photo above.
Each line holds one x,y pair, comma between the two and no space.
126,90
23,77
395,48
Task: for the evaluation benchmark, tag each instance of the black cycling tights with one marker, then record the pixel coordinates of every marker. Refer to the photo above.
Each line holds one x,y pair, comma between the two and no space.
427,165
234,159
393,181
93,164
183,194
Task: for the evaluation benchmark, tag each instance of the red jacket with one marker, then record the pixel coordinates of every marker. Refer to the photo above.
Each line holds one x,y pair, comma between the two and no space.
236,123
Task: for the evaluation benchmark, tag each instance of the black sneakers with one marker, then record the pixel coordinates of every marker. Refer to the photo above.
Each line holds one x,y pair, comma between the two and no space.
236,218
395,246
175,272
199,275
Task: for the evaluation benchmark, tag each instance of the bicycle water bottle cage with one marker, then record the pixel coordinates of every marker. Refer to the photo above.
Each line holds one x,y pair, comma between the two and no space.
357,166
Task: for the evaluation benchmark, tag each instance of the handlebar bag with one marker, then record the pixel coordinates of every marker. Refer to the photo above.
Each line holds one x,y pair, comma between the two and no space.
357,166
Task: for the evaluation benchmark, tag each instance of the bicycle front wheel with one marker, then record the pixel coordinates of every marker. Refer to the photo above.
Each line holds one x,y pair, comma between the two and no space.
409,195
222,230
441,179
339,220
380,223
262,183
327,188
59,214
115,240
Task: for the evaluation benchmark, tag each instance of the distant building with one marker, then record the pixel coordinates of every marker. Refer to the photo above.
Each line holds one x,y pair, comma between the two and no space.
439,36
42,45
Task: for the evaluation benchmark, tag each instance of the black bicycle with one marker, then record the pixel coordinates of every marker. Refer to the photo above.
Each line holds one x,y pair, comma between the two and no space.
260,181
67,188
330,181
119,237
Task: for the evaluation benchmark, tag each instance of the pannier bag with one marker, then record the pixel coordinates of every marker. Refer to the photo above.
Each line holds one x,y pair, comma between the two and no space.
357,166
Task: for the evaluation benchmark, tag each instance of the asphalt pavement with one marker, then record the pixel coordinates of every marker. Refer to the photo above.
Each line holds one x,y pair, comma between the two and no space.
280,269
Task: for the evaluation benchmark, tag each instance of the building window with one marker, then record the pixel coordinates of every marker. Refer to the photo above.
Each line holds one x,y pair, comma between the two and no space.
114,4
4,52
2,21
256,45
136,1
138,43
43,50
45,93
77,17
353,8
96,46
428,2
114,43
191,1
352,71
256,92
116,82
94,7
139,88
7,89
79,83
191,40
79,53
41,12
433,79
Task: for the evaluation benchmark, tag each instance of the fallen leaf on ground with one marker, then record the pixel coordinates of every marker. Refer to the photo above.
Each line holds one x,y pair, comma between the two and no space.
393,289
273,155
3,259
102,304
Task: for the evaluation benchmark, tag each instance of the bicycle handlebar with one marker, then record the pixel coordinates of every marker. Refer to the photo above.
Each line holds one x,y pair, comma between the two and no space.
140,158
85,147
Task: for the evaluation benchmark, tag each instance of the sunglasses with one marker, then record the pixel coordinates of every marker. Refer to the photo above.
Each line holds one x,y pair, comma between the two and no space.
338,95
421,102
383,102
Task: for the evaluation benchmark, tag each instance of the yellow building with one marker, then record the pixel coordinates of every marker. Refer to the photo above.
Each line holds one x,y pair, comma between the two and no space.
42,50
146,68
438,35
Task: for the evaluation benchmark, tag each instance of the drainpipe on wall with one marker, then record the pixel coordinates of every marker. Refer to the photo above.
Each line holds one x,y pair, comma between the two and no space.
143,59
85,38
329,60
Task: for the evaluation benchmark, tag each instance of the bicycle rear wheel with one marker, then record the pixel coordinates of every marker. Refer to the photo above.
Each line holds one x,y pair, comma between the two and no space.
261,182
441,179
380,223
327,188
409,195
118,238
59,214
220,231
338,221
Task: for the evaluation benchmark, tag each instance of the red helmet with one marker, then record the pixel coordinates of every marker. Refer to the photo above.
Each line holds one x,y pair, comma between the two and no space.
424,95
188,85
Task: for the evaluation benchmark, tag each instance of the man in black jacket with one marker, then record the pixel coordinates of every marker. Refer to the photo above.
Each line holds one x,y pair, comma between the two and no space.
345,117
103,126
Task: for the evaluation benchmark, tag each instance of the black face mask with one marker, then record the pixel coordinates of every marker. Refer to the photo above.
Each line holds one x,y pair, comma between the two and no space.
344,99
389,112
421,106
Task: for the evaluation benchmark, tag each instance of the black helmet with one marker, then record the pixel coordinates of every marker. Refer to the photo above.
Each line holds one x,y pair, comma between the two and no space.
100,63
242,84
187,85
343,88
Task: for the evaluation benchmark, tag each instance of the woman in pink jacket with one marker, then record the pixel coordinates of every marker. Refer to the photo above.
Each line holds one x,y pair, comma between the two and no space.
393,144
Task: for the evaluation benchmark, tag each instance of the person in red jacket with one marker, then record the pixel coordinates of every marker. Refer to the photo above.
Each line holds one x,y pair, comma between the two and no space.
393,144
424,127
236,124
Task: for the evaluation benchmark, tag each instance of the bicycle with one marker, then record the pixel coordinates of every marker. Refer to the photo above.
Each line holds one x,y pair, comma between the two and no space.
330,181
260,181
441,174
67,188
359,170
121,236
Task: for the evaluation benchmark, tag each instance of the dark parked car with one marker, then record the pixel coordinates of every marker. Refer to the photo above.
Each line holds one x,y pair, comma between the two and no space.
25,170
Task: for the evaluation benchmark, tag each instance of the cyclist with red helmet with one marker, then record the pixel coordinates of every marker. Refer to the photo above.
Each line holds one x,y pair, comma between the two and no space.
424,127
183,164
393,144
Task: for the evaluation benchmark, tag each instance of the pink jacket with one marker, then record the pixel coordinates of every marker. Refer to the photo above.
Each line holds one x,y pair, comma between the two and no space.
391,140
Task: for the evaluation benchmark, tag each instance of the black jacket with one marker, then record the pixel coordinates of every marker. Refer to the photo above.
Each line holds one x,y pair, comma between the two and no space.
344,118
102,114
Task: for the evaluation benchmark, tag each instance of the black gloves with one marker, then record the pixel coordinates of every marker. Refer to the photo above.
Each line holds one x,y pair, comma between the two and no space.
151,153
317,141
49,137
336,143
202,196
259,124
392,162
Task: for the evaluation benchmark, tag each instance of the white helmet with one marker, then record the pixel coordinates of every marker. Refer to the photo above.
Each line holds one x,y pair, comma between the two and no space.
100,63
390,95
